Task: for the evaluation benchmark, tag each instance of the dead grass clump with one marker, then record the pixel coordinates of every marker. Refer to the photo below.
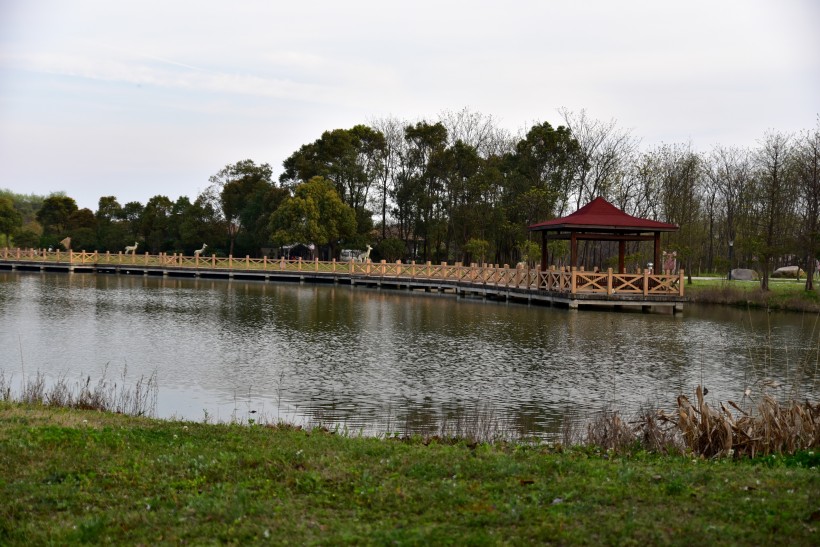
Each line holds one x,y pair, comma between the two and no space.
656,436
34,390
645,431
769,427
610,432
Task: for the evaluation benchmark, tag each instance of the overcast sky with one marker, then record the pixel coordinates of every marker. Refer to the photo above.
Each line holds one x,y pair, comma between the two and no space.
139,98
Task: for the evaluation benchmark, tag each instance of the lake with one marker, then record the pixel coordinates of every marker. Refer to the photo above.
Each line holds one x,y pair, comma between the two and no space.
385,360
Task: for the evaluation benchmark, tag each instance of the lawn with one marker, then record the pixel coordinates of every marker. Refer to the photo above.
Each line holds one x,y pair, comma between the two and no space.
783,294
73,476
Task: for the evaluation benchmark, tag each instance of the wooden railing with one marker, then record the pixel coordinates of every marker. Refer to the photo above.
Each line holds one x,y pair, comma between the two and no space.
560,280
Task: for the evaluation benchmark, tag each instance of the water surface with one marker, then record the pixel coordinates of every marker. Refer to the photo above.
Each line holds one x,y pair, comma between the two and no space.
382,359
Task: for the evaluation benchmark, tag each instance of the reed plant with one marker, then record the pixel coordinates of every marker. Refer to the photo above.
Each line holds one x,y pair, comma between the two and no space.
767,427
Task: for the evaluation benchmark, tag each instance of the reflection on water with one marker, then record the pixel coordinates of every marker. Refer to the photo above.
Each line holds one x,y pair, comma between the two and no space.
378,359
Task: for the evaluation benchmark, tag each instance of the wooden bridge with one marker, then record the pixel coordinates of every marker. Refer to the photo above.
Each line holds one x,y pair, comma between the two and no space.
573,288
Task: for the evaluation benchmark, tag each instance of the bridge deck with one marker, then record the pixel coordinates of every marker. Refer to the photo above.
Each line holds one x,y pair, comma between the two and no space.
571,288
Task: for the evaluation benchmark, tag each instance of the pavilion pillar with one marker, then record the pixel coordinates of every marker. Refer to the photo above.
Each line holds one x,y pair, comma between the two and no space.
544,257
621,255
573,243
657,263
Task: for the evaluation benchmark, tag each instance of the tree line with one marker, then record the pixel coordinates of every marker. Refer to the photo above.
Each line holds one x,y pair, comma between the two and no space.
460,188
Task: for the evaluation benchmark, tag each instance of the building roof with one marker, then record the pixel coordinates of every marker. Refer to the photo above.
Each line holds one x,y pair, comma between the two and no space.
601,216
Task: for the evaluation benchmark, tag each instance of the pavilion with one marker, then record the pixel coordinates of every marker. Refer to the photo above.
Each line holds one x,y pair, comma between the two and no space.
599,220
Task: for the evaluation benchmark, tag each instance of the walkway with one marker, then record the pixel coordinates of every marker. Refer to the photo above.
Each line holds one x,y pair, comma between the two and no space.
572,288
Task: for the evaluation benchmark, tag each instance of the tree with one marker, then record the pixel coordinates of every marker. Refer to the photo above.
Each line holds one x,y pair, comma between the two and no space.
26,204
464,204
604,150
155,224
112,231
807,169
476,250
390,168
537,183
352,159
196,223
132,218
83,230
10,219
546,161
392,249
243,195
420,195
314,214
774,198
679,186
55,215
477,131
729,176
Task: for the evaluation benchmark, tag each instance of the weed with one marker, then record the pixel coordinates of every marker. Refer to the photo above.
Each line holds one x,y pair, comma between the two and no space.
105,395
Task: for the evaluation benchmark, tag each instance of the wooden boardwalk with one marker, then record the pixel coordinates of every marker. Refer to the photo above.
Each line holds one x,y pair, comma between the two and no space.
555,286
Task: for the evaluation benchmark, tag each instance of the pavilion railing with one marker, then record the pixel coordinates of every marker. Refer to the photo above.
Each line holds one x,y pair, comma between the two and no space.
554,280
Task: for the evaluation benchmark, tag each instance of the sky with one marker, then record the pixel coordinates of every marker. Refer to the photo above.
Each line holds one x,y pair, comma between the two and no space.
152,97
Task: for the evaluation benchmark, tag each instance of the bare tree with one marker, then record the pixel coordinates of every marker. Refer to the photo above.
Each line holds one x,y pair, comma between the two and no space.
395,150
679,185
807,169
477,130
775,200
605,150
729,175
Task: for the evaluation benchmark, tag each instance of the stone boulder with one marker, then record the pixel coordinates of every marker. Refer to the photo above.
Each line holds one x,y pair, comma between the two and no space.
790,272
743,274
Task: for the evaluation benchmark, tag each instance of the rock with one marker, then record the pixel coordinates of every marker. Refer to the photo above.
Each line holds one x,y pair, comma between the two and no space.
792,272
743,274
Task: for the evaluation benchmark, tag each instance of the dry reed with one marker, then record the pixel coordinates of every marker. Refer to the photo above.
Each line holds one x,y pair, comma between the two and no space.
769,427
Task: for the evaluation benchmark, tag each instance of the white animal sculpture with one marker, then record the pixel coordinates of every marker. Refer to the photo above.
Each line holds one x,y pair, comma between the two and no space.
365,256
200,251
131,248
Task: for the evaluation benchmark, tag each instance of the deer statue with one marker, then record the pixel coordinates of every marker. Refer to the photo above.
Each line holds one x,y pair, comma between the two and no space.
202,250
365,256
131,248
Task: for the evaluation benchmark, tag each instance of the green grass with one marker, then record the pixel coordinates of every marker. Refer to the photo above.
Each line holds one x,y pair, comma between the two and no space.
783,294
72,477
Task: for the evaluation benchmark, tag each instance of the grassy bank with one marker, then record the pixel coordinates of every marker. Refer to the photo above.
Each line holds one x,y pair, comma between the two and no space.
73,476
789,295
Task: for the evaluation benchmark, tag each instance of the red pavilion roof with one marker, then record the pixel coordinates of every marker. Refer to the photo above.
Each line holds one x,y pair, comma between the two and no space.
601,216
